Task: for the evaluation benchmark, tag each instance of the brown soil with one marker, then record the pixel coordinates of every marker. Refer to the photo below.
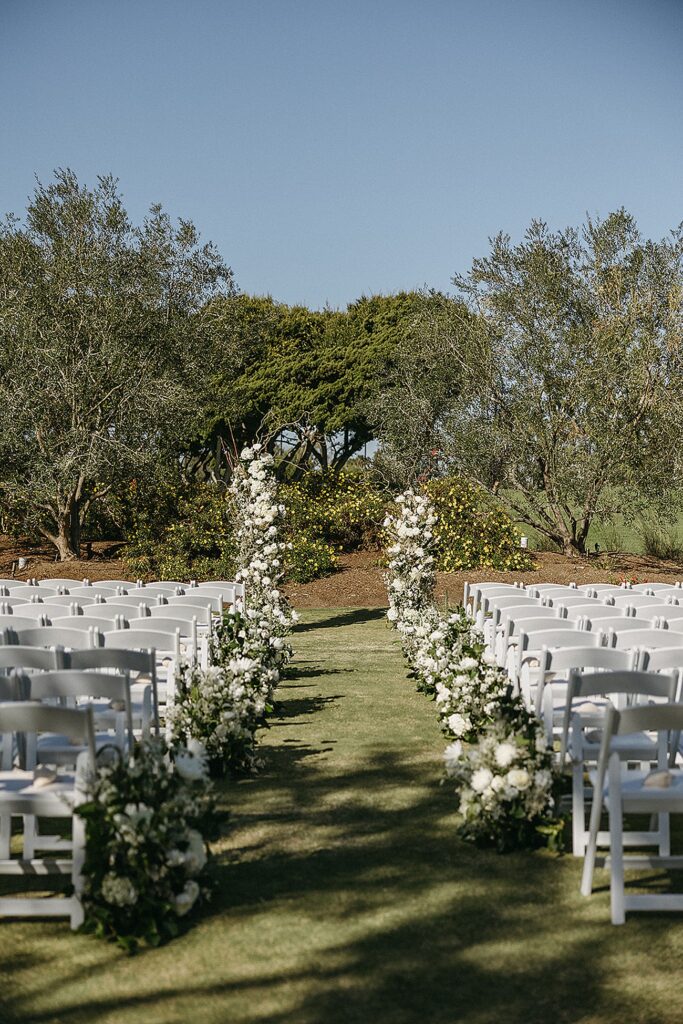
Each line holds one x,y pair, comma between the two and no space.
359,582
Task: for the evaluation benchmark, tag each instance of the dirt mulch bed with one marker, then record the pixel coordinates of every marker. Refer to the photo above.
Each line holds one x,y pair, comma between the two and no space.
358,582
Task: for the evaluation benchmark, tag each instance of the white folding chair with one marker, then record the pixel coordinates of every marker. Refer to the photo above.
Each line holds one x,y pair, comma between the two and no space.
127,605
473,593
186,625
506,641
640,601
631,638
12,621
194,599
21,795
619,623
493,610
141,668
99,591
109,584
655,588
166,648
620,792
52,636
582,727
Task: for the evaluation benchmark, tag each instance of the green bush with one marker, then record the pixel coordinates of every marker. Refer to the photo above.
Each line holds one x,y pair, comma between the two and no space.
309,558
345,509
473,531
662,540
197,543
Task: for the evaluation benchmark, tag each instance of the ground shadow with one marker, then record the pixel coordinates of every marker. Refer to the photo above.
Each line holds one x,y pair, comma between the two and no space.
350,617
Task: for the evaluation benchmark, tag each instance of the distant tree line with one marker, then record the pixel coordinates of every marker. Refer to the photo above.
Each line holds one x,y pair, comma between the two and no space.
129,362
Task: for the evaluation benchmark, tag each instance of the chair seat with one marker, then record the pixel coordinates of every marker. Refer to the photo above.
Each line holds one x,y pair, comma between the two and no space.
20,795
55,749
640,746
636,796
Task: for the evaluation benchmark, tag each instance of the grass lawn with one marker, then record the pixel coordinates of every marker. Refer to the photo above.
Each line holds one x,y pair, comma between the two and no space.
345,895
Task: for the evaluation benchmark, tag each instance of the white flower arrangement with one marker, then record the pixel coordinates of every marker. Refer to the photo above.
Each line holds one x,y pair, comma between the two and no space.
146,821
260,547
505,783
410,573
221,707
224,705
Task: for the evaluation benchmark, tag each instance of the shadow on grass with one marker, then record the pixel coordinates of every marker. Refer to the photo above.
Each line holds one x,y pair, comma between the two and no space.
350,617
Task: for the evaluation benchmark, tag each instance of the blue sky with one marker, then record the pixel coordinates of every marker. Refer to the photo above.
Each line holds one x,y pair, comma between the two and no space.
333,149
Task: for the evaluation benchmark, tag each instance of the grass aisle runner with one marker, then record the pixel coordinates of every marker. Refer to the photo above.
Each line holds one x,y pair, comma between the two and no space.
345,895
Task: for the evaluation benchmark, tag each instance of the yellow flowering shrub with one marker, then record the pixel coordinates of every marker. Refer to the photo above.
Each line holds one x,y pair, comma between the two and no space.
345,509
309,558
472,530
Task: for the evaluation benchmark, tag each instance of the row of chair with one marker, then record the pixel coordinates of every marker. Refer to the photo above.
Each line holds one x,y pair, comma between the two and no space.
610,698
83,667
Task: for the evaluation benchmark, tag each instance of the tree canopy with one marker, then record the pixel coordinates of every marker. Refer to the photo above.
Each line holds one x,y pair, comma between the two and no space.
100,349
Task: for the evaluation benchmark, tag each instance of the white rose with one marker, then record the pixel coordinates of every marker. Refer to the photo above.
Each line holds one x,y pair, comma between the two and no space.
519,778
505,754
458,724
195,855
185,900
481,779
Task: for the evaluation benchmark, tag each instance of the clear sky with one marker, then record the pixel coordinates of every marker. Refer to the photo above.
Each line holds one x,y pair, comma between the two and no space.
334,148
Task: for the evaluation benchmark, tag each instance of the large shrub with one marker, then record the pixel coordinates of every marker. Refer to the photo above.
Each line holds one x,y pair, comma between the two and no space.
344,509
197,542
472,531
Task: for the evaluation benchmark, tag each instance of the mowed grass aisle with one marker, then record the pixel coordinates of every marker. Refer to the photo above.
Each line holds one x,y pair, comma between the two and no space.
345,895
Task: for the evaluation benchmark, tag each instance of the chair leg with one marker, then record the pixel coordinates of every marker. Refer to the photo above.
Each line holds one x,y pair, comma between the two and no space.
578,811
5,836
30,833
664,835
78,860
616,859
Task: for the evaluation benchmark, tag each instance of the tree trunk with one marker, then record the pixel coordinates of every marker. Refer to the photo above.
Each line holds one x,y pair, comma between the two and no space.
573,547
63,541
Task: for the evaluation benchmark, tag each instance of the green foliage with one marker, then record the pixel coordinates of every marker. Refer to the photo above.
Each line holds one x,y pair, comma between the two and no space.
196,540
472,530
327,513
309,558
346,508
662,540
308,376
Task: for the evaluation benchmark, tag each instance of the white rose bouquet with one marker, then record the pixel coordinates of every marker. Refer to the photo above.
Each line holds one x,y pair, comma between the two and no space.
505,782
146,859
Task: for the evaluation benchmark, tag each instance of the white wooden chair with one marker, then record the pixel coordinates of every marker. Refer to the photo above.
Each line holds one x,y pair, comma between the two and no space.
473,593
13,622
505,643
166,648
583,723
141,668
652,638
51,636
620,792
22,795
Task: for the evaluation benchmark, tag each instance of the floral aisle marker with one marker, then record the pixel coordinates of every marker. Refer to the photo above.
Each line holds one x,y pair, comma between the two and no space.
410,575
498,756
146,822
224,706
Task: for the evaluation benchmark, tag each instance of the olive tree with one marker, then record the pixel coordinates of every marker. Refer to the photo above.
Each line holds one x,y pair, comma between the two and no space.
569,404
101,349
